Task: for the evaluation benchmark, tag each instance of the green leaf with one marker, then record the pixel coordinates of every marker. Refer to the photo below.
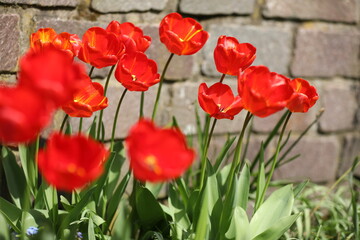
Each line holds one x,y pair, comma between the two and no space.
239,227
260,188
277,206
4,230
91,233
122,226
15,179
223,153
242,191
202,226
148,208
92,129
11,213
275,231
299,188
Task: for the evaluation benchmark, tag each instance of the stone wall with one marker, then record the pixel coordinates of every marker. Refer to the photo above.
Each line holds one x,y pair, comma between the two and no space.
315,39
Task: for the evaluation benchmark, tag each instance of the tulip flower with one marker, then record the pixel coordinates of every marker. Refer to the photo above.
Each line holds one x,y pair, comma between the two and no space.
52,73
263,92
44,37
100,48
23,114
304,96
71,162
219,101
157,154
136,72
87,100
132,36
231,56
182,36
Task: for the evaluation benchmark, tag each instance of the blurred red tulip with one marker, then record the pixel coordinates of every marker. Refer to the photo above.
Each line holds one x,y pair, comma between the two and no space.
231,56
136,72
182,36
87,100
263,92
70,162
304,96
45,37
52,73
157,154
100,48
132,36
23,114
219,101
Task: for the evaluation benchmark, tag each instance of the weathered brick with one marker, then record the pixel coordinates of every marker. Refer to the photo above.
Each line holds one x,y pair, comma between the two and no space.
326,50
339,101
9,41
317,162
209,7
331,10
44,3
105,6
273,45
181,67
351,149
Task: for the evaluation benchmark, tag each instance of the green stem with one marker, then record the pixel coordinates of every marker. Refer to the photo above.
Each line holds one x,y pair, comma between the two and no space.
141,114
64,122
204,156
102,110
115,119
275,158
160,86
80,124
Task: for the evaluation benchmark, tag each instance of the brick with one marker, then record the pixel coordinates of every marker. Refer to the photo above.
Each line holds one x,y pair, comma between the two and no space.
181,67
44,3
351,149
326,50
9,41
105,6
273,45
339,101
317,162
330,10
210,7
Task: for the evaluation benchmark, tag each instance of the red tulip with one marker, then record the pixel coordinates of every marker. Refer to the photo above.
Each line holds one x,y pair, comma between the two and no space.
70,162
132,36
157,154
136,72
87,100
182,36
45,37
230,56
100,48
23,114
219,101
263,92
304,96
52,73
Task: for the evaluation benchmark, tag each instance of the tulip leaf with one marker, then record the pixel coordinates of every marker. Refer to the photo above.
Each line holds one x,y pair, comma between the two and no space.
278,228
223,153
277,206
15,179
148,208
91,233
239,226
243,188
260,188
122,226
202,226
4,230
298,189
11,213
92,129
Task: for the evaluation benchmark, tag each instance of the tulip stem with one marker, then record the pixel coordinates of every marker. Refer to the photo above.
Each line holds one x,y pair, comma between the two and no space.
222,78
102,110
115,119
91,71
64,122
80,124
160,85
274,162
204,156
141,114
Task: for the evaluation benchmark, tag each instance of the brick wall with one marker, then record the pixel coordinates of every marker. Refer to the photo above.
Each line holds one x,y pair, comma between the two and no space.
315,39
